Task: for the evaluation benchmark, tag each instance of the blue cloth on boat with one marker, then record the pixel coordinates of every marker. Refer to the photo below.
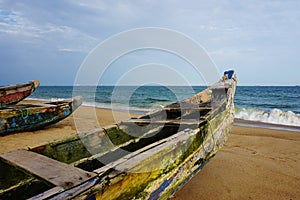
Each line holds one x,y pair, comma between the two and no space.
229,73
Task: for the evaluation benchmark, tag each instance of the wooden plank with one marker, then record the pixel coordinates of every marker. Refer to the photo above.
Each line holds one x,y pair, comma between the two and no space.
47,194
170,109
55,172
169,144
161,122
139,151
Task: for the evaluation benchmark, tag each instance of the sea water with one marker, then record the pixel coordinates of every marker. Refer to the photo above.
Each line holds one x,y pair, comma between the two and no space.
271,104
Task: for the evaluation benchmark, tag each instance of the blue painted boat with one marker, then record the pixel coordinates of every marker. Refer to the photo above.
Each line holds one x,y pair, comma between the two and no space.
149,157
27,117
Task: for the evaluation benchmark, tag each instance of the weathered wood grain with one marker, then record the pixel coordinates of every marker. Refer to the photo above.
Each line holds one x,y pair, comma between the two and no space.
52,171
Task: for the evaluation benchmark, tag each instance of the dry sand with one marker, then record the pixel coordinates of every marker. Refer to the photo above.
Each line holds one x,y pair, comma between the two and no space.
85,121
255,163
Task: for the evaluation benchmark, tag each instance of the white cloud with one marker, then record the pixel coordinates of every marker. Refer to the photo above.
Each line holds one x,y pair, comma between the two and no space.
91,4
68,50
228,52
13,24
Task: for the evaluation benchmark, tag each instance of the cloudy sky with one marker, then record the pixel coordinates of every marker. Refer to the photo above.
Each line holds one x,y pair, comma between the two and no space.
49,40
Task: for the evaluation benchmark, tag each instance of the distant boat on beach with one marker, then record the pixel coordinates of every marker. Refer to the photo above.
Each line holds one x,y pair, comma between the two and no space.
149,157
27,117
13,94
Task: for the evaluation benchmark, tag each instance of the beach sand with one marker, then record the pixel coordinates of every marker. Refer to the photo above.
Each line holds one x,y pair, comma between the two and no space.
64,128
255,163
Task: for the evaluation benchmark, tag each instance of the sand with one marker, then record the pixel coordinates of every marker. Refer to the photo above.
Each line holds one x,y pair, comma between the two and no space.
85,121
255,163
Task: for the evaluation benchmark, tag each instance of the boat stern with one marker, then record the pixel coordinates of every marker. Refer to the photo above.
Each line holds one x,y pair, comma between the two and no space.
36,83
77,101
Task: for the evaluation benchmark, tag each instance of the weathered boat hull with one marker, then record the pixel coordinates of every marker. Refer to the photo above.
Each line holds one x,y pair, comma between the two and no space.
27,117
150,157
13,94
160,172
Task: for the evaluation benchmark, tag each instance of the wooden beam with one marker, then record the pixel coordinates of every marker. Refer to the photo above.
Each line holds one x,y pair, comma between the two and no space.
47,193
52,171
170,109
162,122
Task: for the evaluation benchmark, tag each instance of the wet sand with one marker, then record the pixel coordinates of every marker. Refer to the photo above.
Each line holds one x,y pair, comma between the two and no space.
255,163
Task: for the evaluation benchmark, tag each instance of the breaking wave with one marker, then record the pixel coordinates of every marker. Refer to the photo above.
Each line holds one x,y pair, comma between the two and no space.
275,116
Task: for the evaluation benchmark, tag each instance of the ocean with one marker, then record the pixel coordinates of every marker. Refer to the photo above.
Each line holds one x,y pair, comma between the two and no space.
271,104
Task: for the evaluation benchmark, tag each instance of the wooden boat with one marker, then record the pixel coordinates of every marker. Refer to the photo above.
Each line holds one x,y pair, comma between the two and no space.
150,157
13,94
27,117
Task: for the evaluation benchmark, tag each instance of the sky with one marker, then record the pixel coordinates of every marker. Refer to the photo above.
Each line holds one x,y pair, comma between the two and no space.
49,40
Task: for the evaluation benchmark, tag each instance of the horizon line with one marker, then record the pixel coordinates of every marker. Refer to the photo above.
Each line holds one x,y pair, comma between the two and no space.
132,85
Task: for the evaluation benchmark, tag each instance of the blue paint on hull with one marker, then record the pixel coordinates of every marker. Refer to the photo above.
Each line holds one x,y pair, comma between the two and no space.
156,194
42,116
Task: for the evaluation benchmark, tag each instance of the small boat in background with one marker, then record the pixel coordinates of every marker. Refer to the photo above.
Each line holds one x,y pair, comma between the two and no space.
27,117
13,94
149,157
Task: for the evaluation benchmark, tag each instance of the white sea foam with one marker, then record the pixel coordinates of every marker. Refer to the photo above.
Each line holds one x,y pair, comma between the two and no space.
275,116
115,106
57,99
50,99
37,99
